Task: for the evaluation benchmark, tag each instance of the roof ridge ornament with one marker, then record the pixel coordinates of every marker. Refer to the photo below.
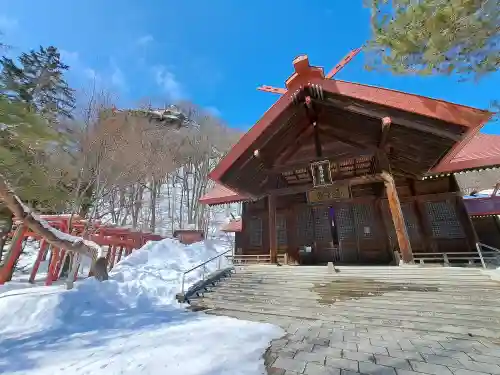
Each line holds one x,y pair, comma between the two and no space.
304,72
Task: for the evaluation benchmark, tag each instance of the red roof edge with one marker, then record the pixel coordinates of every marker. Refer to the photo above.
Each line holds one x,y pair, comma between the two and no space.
471,118
222,195
233,226
478,151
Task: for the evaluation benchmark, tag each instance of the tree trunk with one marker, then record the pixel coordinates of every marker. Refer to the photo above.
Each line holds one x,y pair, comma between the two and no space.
153,193
86,203
53,236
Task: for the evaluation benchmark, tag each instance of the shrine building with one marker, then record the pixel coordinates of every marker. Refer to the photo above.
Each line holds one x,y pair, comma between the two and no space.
357,174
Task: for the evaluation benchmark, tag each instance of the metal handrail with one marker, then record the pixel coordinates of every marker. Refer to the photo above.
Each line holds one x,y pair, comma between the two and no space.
489,247
202,265
478,247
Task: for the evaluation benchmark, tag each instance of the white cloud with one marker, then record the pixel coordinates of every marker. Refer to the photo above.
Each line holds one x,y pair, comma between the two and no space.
8,23
145,39
168,82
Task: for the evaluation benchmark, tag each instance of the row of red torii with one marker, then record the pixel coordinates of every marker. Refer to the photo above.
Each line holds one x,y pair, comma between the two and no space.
120,242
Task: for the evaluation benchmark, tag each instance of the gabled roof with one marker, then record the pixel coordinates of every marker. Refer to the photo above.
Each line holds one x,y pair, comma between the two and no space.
483,150
222,195
467,117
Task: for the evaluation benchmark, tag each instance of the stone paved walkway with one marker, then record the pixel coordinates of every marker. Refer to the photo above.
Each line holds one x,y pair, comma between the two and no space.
321,348
369,320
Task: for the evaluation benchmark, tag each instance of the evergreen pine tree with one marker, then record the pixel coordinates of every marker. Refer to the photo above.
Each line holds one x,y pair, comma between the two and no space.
39,82
436,36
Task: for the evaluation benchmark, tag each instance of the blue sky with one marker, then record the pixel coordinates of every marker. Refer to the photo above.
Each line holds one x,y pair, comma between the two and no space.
213,53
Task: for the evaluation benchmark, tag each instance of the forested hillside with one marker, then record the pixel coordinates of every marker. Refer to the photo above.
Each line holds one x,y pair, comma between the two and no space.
74,150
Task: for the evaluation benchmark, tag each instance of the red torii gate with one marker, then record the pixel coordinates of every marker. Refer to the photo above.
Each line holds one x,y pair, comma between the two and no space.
120,242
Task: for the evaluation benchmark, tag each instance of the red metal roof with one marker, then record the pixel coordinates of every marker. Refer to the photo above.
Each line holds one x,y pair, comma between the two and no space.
232,226
222,195
482,150
457,114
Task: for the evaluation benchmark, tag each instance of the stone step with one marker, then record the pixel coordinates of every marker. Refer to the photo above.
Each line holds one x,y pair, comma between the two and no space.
363,271
407,300
299,285
391,312
340,275
379,278
327,288
354,320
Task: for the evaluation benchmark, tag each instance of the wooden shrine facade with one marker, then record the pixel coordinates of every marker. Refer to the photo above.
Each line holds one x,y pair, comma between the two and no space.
359,229
340,167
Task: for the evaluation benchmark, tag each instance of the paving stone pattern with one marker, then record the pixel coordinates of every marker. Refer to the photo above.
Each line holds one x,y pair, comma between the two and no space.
369,320
322,348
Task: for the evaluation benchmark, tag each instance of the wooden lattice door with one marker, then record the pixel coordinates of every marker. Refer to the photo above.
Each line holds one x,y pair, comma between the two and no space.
323,243
371,243
446,228
346,232
412,226
305,226
281,233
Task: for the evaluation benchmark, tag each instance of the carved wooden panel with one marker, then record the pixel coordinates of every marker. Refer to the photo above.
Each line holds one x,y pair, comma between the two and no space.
305,226
444,220
326,194
255,232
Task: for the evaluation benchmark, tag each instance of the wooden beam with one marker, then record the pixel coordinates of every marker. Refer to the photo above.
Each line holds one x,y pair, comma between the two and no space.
360,180
386,126
307,163
395,120
292,149
273,238
397,218
336,136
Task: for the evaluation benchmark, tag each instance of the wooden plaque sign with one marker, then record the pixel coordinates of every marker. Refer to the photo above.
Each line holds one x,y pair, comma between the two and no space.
334,192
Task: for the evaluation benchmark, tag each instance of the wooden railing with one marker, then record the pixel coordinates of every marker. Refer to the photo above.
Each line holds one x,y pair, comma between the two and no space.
450,258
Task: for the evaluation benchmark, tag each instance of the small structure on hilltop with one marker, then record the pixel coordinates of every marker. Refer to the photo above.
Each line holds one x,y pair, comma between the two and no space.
171,116
352,173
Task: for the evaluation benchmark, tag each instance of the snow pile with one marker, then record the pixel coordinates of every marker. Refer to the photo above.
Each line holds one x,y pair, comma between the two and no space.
153,274
129,324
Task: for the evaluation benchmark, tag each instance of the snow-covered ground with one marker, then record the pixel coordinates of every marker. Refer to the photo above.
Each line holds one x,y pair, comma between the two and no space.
129,324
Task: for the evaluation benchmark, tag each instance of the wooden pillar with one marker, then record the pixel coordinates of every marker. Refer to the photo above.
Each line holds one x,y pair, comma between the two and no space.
273,238
397,218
